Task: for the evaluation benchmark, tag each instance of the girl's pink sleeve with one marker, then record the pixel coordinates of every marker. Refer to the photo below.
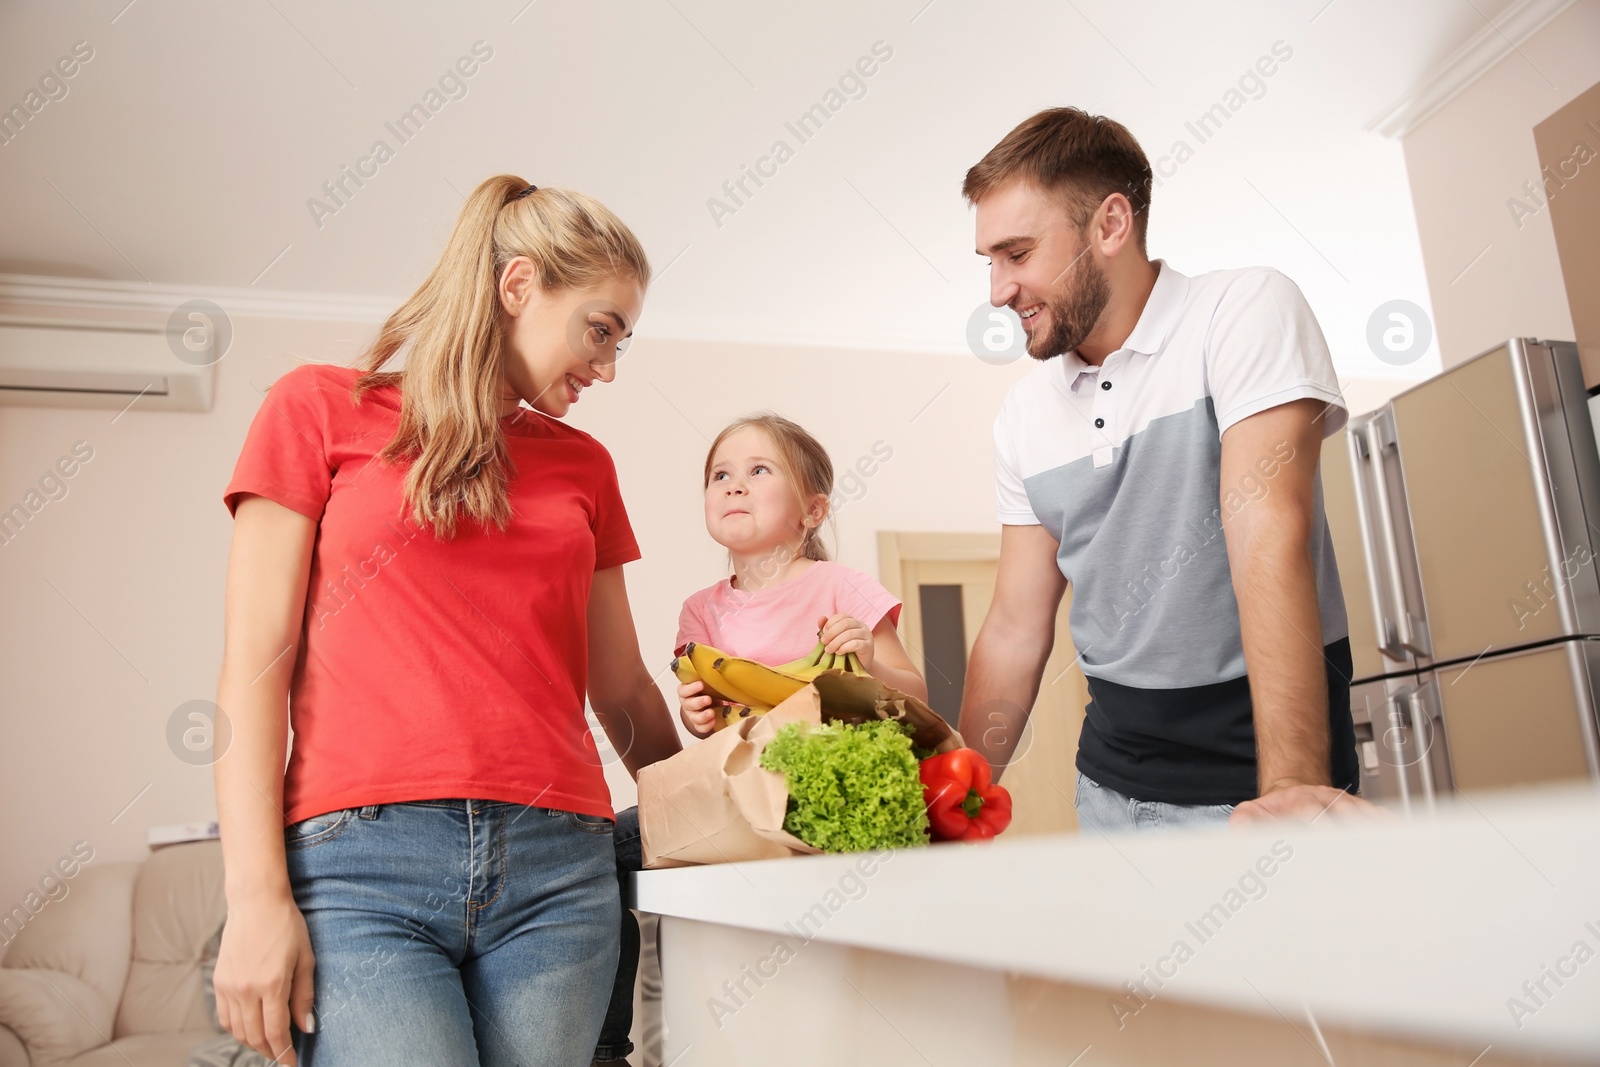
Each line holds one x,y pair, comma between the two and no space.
690,626
864,597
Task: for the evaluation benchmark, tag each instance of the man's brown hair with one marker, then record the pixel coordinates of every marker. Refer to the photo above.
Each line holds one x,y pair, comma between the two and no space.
1083,158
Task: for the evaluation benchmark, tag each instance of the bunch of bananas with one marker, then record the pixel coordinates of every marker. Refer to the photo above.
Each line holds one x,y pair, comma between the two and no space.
742,687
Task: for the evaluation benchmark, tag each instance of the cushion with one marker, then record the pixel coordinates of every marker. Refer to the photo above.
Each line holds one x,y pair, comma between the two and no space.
88,933
145,1050
57,1015
13,1053
178,907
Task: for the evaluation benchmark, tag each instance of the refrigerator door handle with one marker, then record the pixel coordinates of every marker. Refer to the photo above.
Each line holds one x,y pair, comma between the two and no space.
1411,630
1362,455
1424,734
1365,455
1393,743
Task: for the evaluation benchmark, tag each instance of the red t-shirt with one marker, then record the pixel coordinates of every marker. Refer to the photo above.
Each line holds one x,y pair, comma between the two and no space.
428,668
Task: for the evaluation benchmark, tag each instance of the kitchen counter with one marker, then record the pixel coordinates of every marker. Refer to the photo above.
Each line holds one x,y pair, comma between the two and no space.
1477,927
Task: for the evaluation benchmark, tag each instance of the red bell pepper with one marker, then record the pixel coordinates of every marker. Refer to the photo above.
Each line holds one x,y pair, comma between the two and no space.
963,804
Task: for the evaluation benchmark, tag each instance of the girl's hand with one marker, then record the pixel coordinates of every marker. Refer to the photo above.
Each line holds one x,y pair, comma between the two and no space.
844,633
695,709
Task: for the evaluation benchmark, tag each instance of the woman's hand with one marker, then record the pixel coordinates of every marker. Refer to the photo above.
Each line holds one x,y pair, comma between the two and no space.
696,710
845,633
264,975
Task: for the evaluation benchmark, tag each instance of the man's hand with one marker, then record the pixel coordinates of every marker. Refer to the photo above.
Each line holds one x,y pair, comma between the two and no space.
1008,657
1308,803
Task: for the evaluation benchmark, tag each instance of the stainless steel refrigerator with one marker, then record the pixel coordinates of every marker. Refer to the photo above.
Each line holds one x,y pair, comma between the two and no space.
1465,515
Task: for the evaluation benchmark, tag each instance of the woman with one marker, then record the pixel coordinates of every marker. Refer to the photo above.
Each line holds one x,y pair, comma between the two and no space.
430,575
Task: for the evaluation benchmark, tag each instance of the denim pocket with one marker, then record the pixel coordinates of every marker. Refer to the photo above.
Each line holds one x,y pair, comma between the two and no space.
316,830
589,824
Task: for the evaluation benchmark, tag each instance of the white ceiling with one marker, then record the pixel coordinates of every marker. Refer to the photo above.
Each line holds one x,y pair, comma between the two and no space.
188,147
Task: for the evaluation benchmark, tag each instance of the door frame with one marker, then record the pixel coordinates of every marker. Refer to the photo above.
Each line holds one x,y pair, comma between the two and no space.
895,545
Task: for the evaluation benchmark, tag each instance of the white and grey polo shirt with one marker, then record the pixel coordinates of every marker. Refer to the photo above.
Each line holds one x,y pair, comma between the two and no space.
1121,464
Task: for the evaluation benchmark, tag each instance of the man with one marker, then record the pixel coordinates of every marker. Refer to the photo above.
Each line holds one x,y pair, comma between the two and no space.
1163,459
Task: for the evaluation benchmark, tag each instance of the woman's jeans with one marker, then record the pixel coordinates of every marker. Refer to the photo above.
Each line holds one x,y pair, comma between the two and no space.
454,933
614,1042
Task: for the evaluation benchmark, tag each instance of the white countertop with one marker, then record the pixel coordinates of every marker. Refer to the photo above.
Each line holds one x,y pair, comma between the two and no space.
1424,928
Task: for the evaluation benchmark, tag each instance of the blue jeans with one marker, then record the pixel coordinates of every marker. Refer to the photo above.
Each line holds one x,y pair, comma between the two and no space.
1108,811
455,933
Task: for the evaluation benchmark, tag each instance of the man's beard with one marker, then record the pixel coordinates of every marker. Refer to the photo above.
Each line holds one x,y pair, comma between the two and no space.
1074,315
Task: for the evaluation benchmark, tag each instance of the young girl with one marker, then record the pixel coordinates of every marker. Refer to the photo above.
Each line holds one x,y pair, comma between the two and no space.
426,581
767,489
767,486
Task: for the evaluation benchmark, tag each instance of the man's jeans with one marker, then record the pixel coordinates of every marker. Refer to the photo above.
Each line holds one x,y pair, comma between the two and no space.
614,1041
1108,811
456,933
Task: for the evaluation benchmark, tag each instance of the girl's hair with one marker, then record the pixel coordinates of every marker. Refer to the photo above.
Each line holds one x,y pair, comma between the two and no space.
805,460
453,378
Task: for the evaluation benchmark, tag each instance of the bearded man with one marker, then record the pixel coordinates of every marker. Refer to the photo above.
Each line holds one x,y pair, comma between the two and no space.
1162,458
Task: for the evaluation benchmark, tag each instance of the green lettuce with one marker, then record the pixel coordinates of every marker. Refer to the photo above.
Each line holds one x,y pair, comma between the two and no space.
852,788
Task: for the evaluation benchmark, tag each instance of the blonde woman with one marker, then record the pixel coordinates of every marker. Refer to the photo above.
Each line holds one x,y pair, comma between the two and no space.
427,577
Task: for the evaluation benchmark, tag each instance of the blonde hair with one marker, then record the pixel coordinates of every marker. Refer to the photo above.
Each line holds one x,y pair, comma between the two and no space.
805,462
453,380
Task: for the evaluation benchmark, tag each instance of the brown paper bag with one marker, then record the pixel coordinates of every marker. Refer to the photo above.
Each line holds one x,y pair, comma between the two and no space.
857,698
760,795
686,814
715,803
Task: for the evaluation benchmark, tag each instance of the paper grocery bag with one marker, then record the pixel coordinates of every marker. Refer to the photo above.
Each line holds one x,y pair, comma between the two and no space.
762,796
715,803
686,814
857,698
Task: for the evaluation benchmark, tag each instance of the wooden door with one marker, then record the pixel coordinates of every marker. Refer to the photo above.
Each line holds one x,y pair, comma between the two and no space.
946,582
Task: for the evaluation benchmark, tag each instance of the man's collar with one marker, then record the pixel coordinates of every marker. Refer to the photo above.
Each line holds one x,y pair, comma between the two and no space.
1073,364
1161,311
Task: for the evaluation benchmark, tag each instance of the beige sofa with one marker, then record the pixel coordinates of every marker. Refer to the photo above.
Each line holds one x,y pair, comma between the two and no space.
110,975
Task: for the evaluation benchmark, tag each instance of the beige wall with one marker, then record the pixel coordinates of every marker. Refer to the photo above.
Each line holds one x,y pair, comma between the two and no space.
1472,156
113,594
1569,148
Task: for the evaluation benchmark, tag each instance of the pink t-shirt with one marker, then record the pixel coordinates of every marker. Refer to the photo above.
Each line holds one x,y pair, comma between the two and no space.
779,623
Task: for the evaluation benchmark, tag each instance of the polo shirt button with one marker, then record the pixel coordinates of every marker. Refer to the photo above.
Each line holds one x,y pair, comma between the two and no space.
1099,424
1105,385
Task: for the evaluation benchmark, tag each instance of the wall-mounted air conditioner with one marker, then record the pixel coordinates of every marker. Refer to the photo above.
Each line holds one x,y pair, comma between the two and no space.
89,365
